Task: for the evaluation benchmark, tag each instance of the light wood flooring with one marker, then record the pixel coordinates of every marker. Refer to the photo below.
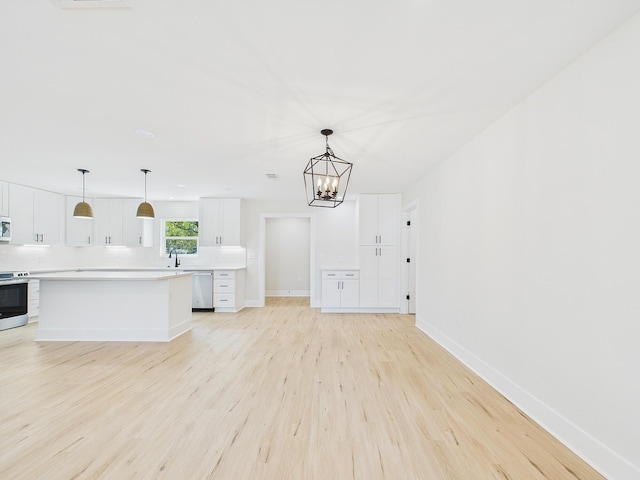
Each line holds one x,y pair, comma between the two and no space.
280,392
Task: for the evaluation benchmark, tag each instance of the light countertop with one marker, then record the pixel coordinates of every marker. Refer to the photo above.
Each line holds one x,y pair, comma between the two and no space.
36,273
110,275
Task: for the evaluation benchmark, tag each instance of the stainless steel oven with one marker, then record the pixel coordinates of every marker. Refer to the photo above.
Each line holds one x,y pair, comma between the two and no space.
13,301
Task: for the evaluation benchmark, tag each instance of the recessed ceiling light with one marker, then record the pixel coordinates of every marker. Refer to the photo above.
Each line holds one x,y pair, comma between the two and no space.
272,176
180,185
141,132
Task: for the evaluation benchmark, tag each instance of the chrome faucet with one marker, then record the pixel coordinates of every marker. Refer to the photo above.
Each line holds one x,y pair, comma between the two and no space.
173,250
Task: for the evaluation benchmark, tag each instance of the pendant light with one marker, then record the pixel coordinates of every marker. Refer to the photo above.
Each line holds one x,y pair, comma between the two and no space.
326,177
145,210
83,209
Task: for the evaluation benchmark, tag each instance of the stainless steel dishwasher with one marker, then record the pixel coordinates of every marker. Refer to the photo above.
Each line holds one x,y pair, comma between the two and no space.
202,290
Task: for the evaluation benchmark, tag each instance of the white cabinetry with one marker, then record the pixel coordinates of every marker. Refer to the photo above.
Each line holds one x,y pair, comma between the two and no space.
340,290
228,290
220,222
107,221
37,216
379,231
33,296
136,232
114,223
79,230
379,277
379,219
4,198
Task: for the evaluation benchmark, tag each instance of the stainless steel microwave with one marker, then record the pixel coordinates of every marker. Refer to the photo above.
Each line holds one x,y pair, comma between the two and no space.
5,229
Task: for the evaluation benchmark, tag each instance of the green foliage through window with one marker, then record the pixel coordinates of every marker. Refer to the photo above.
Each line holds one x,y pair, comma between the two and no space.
181,236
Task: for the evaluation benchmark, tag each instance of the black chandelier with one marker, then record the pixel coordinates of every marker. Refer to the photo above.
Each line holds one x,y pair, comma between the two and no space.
326,178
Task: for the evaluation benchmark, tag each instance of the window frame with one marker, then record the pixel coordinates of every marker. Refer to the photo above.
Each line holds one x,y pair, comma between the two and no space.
164,237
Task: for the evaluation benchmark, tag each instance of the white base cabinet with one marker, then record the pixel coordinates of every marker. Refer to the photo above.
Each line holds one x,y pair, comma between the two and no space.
228,290
340,290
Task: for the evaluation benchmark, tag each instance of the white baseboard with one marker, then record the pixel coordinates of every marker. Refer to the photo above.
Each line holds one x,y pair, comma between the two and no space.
287,293
110,335
359,310
591,450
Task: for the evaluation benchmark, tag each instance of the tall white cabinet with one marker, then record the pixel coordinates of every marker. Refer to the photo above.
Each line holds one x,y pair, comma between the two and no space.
379,227
221,222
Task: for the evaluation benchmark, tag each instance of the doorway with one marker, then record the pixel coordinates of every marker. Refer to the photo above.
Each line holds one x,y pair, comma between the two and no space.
287,259
409,258
287,255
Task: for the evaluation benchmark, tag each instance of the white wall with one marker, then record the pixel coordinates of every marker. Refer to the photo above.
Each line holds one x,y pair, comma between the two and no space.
335,239
287,256
17,257
530,255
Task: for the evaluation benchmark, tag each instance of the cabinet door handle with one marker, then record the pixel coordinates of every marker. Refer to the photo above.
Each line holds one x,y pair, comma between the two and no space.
89,239
140,240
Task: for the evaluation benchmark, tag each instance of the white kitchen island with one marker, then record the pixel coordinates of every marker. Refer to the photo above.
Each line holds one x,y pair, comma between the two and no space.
114,306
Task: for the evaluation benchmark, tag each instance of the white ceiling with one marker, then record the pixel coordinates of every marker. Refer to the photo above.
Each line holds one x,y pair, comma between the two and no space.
235,90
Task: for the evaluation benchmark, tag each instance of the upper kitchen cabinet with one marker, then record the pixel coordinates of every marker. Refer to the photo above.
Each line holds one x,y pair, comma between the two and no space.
114,223
221,222
136,232
37,216
79,230
379,219
107,221
4,198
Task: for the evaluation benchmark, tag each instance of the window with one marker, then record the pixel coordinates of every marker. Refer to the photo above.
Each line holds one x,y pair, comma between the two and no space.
181,235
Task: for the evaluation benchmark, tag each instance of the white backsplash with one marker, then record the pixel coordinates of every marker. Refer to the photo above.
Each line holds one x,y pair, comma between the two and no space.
18,258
